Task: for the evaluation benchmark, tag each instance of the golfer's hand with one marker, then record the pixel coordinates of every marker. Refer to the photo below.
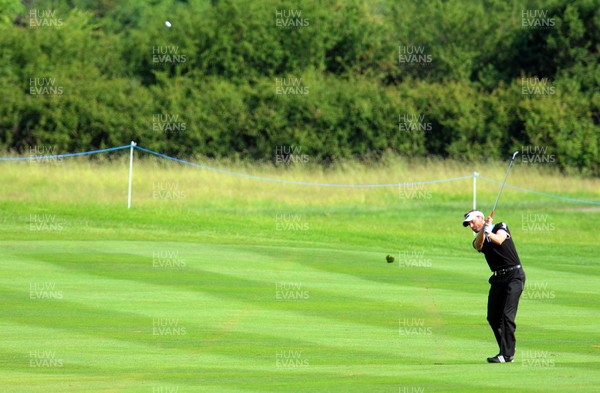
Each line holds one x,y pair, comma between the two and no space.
488,225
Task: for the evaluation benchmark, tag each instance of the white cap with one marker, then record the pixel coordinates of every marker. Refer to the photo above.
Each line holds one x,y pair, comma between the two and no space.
471,215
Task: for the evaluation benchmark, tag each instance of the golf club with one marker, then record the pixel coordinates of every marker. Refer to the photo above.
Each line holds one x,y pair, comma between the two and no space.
502,186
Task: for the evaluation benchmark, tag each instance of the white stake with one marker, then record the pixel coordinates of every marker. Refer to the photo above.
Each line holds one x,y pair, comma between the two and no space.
130,173
475,174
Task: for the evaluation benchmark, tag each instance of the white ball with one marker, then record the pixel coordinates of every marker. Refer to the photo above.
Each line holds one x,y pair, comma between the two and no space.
167,23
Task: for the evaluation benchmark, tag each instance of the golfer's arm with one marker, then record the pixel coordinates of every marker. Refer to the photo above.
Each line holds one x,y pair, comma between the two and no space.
478,244
498,237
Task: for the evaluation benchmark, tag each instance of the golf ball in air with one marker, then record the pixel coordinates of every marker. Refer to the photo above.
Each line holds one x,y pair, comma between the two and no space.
167,23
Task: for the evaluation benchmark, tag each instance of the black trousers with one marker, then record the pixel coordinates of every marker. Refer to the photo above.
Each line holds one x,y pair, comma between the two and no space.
503,301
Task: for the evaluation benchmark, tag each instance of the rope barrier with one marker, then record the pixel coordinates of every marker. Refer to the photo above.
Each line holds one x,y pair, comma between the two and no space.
85,153
301,183
474,176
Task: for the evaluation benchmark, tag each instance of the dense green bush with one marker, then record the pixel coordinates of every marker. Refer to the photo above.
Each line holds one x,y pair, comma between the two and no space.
458,78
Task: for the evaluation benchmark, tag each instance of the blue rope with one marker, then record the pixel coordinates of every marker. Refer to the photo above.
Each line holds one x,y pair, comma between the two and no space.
85,153
541,193
301,183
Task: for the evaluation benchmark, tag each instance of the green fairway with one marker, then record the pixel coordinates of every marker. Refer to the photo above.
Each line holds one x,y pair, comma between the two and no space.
238,286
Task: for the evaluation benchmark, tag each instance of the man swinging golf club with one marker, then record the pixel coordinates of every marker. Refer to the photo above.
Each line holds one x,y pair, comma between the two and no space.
507,281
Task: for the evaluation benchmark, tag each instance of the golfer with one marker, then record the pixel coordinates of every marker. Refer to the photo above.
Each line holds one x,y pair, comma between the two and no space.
507,281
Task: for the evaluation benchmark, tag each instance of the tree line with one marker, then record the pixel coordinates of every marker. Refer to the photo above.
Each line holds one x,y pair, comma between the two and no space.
333,79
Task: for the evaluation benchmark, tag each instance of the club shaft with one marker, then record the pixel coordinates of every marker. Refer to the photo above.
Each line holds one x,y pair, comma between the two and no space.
503,183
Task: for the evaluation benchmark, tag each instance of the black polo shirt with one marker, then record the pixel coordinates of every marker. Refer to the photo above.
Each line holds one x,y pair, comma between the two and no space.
500,256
